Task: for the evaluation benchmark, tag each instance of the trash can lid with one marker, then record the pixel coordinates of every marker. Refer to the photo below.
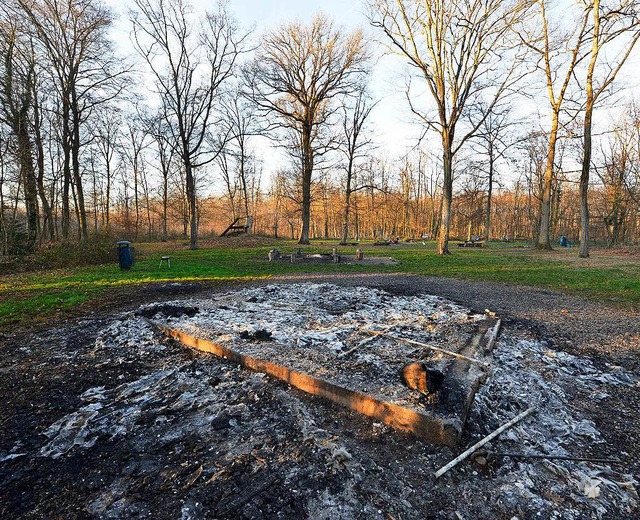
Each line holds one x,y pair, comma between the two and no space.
124,243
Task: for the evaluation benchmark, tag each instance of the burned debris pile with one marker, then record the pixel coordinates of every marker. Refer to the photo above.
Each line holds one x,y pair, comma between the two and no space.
150,428
352,347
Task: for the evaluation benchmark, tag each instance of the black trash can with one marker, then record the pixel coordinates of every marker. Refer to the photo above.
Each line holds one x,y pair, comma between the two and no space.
125,254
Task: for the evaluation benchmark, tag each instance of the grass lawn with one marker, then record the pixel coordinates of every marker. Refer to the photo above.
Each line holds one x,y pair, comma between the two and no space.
607,277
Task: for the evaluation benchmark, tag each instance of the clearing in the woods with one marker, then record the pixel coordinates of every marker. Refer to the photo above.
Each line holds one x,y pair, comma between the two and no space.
610,277
105,416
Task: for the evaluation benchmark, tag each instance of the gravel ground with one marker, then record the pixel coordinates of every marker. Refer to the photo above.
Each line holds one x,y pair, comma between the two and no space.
140,444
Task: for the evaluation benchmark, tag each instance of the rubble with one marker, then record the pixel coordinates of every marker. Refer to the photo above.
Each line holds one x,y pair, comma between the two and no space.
112,421
307,352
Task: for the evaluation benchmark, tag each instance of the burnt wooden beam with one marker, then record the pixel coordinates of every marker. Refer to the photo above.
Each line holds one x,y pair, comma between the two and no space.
440,428
463,379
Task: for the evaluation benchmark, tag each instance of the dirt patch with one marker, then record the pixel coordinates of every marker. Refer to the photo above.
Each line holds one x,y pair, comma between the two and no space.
104,418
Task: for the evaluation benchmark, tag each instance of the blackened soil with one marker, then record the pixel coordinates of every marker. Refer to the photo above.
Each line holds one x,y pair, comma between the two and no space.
272,452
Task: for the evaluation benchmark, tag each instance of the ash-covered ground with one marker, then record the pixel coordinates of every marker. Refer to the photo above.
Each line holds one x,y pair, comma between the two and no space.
328,331
106,418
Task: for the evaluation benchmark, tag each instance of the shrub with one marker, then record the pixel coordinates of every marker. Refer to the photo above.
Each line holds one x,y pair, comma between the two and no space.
96,250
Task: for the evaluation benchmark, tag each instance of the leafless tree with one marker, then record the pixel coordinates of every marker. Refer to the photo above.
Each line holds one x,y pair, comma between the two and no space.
617,24
241,122
225,166
558,51
353,147
620,174
107,136
453,45
84,71
166,155
491,143
4,224
297,74
134,144
40,118
17,77
190,62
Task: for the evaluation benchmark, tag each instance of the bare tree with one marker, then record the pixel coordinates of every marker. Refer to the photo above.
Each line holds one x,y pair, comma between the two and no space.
610,24
229,180
492,141
133,150
353,147
558,52
453,46
297,74
85,73
107,136
4,224
241,123
17,77
39,136
190,62
620,175
166,154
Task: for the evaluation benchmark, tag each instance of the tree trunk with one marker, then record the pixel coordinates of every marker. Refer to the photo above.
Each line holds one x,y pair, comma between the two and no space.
584,178
447,193
165,201
191,201
136,201
75,206
307,170
347,202
243,179
487,217
30,187
356,221
3,224
95,199
544,241
46,207
107,195
588,116
75,156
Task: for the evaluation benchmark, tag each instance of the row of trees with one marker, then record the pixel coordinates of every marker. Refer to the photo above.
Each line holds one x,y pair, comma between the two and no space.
399,197
91,139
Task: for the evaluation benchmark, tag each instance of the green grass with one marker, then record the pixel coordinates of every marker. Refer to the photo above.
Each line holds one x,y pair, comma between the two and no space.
43,294
531,268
